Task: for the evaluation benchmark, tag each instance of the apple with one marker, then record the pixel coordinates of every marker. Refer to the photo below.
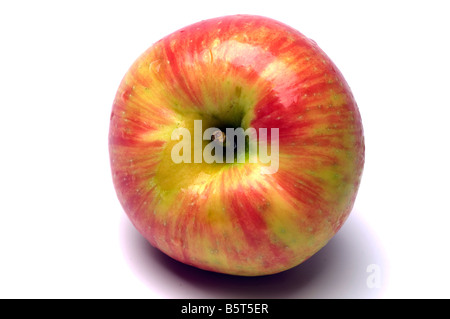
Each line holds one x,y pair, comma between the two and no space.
236,217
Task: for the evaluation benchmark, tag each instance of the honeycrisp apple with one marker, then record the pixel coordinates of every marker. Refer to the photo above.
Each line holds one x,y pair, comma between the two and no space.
236,146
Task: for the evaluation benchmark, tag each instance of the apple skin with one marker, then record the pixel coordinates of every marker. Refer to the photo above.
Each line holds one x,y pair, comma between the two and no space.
246,71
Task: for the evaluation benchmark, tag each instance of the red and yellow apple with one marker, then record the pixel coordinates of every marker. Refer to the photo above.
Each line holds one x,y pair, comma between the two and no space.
244,72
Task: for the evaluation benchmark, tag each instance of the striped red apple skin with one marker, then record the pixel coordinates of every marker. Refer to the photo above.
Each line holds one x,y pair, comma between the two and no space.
246,71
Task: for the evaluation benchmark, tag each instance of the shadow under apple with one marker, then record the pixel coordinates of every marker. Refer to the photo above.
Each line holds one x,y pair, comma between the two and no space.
341,269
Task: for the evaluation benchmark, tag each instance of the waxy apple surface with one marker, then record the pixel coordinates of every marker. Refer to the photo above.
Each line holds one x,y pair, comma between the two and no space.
239,71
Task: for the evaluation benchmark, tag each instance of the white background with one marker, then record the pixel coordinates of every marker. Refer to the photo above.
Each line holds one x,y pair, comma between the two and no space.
63,233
